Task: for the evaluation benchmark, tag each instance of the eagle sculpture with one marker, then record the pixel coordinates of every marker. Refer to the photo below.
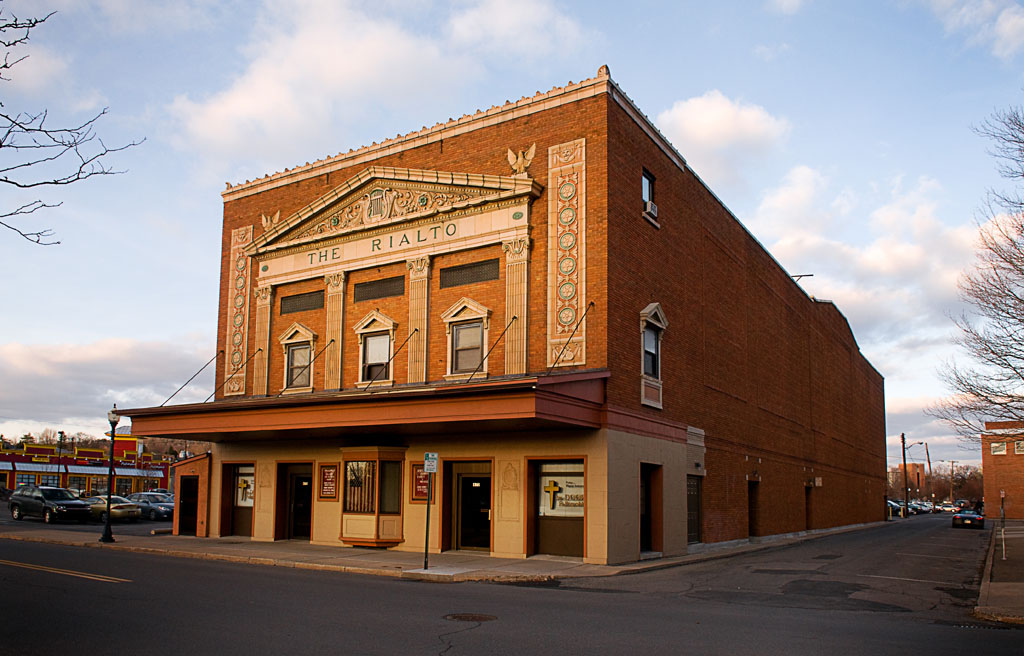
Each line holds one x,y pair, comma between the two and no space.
521,162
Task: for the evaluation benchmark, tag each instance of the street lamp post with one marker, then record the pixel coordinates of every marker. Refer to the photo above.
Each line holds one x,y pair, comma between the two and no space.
113,418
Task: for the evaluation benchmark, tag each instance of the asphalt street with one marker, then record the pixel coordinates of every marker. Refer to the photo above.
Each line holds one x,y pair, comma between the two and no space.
889,590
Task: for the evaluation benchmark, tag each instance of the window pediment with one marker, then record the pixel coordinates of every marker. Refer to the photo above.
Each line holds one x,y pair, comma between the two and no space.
466,309
297,333
653,314
375,322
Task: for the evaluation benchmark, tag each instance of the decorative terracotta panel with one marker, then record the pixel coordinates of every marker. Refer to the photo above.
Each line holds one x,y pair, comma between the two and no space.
567,254
237,313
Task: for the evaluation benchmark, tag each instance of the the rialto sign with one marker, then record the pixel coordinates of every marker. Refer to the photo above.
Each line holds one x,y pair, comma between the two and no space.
469,231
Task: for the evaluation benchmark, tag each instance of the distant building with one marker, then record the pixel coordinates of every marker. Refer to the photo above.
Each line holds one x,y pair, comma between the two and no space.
84,469
1002,462
917,479
606,362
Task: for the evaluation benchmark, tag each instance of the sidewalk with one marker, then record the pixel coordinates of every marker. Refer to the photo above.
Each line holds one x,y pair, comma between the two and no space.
1002,583
444,567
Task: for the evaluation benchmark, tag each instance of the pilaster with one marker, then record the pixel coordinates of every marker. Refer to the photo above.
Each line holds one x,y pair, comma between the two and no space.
567,254
419,285
517,256
335,320
264,300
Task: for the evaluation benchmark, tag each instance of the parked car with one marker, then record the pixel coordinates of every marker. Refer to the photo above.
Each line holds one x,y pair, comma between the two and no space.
154,505
894,509
120,509
968,519
948,507
50,503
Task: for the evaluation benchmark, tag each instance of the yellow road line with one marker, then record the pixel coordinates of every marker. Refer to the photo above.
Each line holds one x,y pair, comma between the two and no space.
66,572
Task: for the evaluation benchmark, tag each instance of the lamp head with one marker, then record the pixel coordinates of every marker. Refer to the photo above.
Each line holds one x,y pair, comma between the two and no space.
113,417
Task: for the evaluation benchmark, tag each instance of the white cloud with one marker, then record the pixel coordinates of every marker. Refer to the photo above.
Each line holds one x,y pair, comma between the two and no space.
39,72
319,67
716,134
523,30
788,7
70,385
770,53
891,268
996,24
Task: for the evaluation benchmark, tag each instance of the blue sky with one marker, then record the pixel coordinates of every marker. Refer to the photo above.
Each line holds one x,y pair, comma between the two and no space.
838,133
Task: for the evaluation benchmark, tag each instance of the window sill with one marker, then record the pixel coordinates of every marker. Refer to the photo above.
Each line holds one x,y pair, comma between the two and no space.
480,375
377,383
650,219
297,390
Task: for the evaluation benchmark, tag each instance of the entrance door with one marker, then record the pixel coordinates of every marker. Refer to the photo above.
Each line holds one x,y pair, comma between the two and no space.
752,529
474,512
650,508
300,510
188,505
693,503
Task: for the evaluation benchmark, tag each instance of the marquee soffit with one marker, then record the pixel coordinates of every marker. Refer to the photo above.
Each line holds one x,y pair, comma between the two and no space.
380,196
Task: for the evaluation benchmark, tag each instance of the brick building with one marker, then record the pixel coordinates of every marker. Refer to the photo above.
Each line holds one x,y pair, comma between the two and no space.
544,294
1002,462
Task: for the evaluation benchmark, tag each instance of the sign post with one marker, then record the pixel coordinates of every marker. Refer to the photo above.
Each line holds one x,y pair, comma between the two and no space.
430,467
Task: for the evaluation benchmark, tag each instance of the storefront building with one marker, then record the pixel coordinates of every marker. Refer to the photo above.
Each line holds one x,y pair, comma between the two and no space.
84,470
608,365
1002,462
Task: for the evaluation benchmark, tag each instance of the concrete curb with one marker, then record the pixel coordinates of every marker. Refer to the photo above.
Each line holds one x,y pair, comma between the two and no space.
482,574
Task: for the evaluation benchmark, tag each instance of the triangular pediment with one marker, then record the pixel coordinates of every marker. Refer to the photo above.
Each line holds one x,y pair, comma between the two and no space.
383,195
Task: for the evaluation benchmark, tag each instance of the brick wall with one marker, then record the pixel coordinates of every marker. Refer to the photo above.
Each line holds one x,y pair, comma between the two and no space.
1003,473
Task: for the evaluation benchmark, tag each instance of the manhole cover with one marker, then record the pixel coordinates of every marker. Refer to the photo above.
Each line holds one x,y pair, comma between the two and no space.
469,617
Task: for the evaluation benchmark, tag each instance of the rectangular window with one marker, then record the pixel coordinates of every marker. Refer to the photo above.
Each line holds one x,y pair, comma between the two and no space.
652,354
1018,448
390,487
298,365
25,479
360,483
302,302
376,353
999,448
467,347
367,291
78,483
52,480
122,486
467,274
647,188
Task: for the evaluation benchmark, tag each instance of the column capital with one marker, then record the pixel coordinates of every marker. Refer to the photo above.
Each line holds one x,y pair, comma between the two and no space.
516,250
335,282
263,294
419,268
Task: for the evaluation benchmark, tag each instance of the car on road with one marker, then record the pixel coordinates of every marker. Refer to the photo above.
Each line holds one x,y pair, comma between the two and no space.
968,519
50,503
153,505
120,509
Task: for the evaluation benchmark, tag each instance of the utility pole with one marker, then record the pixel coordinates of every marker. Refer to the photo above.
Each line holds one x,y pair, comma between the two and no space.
931,495
906,485
951,497
61,481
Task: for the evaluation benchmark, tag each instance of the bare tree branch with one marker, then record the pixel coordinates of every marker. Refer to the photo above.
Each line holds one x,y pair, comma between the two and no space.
35,154
991,386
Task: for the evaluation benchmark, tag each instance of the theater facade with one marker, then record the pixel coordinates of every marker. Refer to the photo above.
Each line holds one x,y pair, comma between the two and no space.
606,363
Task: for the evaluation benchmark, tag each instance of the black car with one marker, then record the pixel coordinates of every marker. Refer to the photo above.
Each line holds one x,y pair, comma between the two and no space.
153,504
50,503
968,519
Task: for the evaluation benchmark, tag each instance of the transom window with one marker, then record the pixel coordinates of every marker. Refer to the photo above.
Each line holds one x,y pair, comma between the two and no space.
376,353
298,365
467,346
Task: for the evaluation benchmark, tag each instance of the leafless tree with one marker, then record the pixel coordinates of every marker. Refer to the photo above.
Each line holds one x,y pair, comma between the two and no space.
33,152
990,387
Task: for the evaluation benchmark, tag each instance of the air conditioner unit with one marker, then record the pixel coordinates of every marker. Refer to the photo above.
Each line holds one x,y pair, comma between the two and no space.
650,209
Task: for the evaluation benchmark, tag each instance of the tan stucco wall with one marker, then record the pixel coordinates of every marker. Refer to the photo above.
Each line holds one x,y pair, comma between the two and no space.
626,452
510,454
